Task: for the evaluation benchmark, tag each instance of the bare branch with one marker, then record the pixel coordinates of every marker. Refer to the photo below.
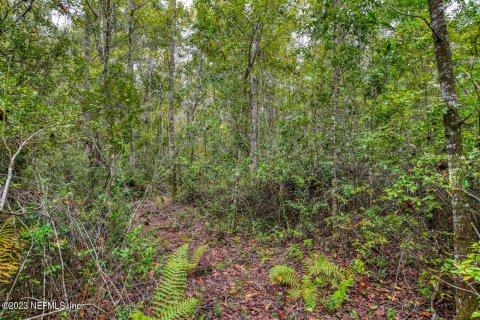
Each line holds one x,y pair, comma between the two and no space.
11,164
91,9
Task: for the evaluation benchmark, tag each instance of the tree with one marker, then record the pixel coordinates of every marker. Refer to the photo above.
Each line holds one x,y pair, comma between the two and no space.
171,116
462,221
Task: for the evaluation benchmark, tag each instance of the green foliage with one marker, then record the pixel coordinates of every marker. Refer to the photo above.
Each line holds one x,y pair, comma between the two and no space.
137,255
467,269
358,267
284,275
169,299
320,275
346,90
294,250
10,246
339,295
197,255
319,265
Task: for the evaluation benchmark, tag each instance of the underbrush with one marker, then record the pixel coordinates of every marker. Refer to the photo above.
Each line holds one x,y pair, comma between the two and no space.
85,251
388,216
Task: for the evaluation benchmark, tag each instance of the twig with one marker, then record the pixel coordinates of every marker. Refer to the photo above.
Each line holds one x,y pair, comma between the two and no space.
91,8
416,16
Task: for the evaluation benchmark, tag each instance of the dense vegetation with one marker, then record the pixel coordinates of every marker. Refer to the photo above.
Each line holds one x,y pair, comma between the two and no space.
347,129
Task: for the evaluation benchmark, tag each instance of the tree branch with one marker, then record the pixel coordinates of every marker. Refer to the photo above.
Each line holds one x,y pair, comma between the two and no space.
416,16
11,163
91,8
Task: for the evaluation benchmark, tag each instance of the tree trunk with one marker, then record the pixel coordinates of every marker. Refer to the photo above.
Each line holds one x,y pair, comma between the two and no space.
334,102
131,22
131,29
462,220
89,143
87,48
107,8
253,117
171,118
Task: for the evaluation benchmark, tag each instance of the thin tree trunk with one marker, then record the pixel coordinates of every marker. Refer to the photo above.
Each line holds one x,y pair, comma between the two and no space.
87,48
462,220
253,115
131,30
171,118
89,143
335,97
107,8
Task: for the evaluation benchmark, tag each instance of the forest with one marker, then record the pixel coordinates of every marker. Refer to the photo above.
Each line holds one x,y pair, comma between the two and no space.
240,159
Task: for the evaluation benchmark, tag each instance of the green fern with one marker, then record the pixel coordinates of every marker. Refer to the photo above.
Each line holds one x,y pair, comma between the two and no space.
284,275
319,273
138,315
295,293
339,296
309,293
197,255
180,310
10,247
169,299
319,265
174,280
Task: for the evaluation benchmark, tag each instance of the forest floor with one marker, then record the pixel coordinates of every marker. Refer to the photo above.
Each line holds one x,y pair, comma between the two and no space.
232,277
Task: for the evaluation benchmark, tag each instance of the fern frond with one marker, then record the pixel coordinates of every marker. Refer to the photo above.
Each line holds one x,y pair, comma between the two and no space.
174,279
284,275
339,296
310,293
169,299
321,280
295,293
320,265
197,255
137,315
178,311
10,247
318,272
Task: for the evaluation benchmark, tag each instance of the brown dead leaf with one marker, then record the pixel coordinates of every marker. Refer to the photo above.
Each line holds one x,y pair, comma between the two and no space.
268,305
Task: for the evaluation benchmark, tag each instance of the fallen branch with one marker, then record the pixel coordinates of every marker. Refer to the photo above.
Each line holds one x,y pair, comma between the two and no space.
11,163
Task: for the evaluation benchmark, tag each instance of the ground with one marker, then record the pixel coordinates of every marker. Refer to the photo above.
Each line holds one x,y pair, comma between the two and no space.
232,277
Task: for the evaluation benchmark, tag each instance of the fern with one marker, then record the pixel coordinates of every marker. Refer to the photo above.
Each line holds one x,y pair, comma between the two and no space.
174,281
310,293
10,247
197,255
137,315
319,265
295,293
169,298
339,296
284,275
318,273
179,310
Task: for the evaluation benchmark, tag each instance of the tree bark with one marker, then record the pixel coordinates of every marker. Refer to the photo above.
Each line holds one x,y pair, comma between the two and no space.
108,9
131,22
87,48
253,114
131,30
334,104
171,117
462,220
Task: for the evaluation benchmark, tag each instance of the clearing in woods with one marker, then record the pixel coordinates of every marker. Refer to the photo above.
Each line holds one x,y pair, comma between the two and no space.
232,277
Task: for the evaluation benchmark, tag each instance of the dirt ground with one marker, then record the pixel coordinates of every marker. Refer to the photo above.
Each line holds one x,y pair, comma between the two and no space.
232,277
